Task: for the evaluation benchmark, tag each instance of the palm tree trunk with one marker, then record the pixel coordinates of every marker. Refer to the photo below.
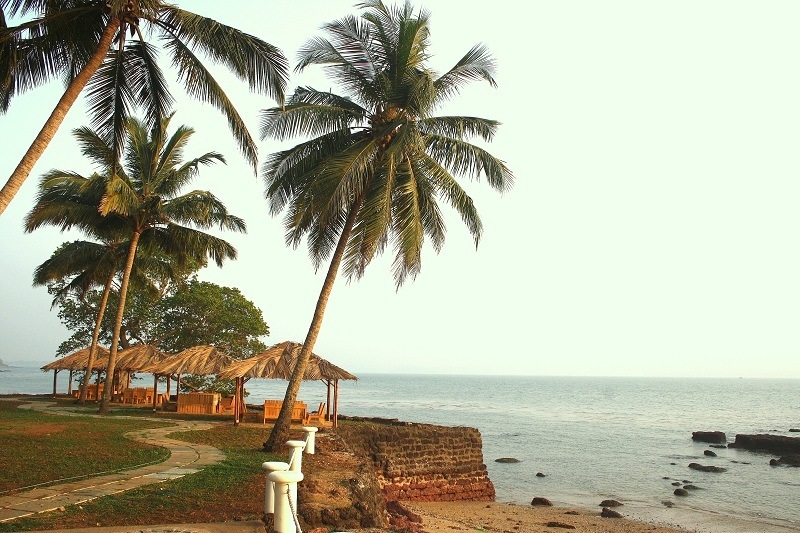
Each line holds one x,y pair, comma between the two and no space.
112,357
96,337
50,127
280,431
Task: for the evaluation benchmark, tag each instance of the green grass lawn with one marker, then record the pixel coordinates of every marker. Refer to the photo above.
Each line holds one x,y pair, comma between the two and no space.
39,447
233,489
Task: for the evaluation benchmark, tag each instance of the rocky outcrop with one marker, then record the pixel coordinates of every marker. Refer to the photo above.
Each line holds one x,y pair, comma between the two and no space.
706,468
422,462
538,500
680,492
714,437
610,503
507,460
709,453
768,443
608,513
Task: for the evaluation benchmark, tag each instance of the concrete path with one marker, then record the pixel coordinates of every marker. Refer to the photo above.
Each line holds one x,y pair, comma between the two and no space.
185,458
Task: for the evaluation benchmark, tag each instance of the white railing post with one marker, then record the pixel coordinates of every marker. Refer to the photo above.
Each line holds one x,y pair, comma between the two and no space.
285,500
269,494
311,437
296,456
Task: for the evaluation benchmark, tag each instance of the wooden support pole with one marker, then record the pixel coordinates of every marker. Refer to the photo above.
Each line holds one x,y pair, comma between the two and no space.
55,380
69,387
336,403
328,402
155,392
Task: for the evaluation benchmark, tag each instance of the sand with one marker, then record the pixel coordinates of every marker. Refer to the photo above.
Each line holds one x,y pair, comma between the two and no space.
441,517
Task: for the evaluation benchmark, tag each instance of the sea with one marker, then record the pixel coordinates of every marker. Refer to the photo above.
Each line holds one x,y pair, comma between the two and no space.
593,438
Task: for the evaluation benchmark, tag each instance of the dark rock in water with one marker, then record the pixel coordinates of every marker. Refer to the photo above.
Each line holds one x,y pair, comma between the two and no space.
680,492
608,513
562,525
770,443
687,480
691,487
790,460
709,453
706,468
774,462
717,437
507,460
676,483
717,445
610,503
673,464
794,430
541,501
741,462
667,503
666,477
572,512
539,474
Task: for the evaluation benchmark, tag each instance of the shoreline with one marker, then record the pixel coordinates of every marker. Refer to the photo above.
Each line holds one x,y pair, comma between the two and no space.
446,517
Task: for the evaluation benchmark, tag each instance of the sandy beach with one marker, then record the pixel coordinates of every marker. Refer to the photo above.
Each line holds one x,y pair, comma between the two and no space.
441,517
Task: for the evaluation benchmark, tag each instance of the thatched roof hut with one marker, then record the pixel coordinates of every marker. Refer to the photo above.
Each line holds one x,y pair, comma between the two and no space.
200,360
279,361
76,361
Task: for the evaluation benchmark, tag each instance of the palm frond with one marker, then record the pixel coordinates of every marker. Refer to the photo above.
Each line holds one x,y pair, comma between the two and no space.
477,64
460,127
461,157
260,64
200,84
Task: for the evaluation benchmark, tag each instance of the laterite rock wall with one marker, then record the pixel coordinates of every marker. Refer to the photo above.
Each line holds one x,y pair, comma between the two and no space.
421,462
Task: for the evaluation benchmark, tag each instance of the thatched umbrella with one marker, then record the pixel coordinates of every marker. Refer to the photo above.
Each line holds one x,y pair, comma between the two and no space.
199,360
77,361
135,358
278,362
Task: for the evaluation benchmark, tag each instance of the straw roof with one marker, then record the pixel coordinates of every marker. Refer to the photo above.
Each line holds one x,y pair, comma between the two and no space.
200,360
278,362
137,357
78,361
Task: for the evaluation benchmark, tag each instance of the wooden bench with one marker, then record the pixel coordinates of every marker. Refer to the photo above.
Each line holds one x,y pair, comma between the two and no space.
198,402
272,409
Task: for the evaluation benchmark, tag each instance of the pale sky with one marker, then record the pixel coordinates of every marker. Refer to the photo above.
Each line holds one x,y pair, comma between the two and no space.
652,230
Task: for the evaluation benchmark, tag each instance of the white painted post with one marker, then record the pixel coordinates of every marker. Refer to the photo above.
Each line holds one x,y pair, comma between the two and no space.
296,456
269,494
311,437
285,489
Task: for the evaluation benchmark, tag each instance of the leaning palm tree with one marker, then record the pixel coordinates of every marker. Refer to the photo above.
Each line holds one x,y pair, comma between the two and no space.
378,160
102,43
144,193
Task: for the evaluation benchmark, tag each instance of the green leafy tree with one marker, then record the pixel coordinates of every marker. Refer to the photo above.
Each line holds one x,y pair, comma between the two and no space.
101,43
378,161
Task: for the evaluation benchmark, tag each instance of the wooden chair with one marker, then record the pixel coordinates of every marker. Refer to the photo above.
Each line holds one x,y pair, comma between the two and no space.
127,396
227,404
317,418
140,396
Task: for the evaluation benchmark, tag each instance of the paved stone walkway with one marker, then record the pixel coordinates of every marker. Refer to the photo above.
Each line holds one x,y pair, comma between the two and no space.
185,458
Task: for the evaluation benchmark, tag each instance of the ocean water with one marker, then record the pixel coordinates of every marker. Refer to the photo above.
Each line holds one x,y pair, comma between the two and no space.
593,438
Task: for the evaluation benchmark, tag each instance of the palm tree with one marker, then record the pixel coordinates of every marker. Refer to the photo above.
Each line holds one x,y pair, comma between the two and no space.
378,160
63,199
101,43
88,264
144,193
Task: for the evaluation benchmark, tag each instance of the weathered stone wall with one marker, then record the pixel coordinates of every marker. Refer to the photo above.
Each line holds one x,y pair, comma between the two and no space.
421,462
